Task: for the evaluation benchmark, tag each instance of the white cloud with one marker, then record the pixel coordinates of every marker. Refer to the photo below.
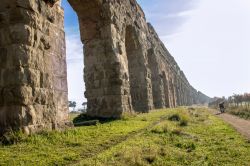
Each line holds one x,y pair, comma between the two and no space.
74,51
213,47
168,16
185,13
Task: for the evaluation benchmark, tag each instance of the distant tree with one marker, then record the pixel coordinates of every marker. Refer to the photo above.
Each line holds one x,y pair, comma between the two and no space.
239,100
84,104
72,104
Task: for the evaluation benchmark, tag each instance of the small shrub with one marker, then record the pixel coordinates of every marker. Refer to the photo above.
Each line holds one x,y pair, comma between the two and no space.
181,117
175,117
156,130
132,156
150,154
161,128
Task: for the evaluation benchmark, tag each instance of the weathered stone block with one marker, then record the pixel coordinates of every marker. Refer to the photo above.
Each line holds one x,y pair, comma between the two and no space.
4,37
33,84
20,34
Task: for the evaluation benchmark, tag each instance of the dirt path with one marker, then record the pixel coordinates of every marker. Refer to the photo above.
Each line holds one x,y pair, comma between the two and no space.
241,125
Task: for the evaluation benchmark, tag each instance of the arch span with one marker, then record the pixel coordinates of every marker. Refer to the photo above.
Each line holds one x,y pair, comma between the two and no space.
124,60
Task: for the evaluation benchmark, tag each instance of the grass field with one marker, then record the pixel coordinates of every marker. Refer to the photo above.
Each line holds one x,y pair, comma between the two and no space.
171,137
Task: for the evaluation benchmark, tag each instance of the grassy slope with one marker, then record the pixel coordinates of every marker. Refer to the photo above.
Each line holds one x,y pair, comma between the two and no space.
142,140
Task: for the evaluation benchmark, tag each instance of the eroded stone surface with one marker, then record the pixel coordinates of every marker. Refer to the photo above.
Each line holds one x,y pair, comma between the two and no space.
33,78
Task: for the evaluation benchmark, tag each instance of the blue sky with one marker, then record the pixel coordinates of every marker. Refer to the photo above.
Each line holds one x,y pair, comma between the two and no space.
210,40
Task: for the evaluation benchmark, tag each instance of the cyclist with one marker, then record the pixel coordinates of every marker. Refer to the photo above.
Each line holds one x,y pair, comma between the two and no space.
222,107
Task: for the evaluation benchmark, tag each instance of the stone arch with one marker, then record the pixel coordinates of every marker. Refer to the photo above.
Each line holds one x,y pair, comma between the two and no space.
104,77
117,40
115,58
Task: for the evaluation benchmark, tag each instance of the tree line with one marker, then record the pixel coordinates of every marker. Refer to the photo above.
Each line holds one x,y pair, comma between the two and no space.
73,104
236,100
239,100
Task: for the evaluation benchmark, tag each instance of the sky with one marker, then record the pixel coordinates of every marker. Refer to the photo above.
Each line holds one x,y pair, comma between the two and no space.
209,39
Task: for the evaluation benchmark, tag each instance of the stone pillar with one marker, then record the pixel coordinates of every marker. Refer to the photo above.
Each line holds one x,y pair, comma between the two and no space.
139,73
167,97
33,79
175,91
158,79
178,90
182,94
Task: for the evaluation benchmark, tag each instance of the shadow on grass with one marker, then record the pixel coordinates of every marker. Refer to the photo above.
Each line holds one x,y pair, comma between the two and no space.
85,120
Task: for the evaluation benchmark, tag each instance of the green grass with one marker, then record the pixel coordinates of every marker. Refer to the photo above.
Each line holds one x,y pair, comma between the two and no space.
146,139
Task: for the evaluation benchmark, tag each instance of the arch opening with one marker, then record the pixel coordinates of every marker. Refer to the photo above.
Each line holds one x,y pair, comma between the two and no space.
75,58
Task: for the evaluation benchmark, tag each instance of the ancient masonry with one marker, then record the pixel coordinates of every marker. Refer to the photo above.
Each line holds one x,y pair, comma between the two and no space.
127,67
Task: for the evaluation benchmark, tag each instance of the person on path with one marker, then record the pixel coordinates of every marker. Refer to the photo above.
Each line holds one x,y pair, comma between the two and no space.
222,107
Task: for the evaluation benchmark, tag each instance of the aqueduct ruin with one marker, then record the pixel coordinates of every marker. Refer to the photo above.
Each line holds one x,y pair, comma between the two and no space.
127,67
